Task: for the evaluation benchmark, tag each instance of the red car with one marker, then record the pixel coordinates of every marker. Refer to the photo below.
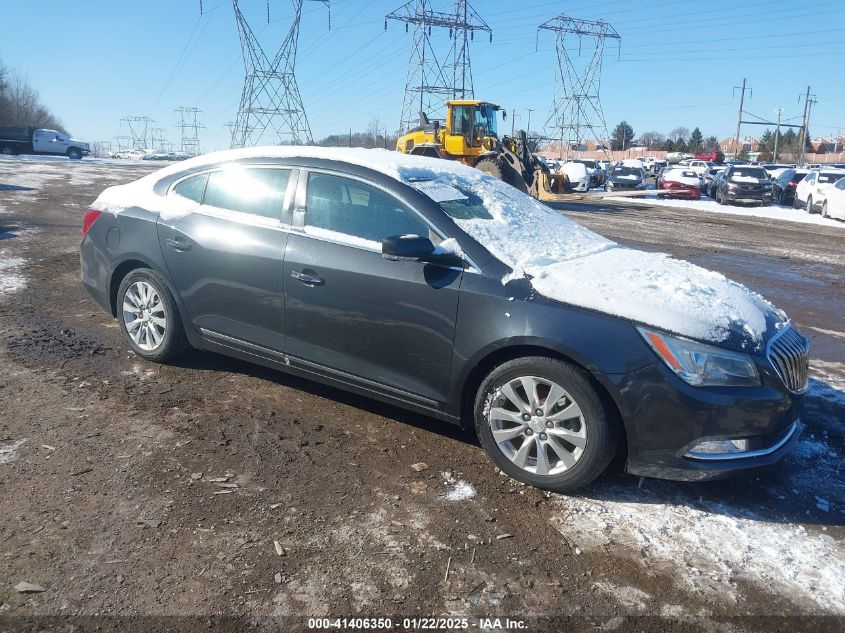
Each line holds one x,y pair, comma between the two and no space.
713,157
677,182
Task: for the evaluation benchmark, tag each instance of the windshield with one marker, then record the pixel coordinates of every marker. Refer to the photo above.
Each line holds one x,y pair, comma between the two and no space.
485,116
626,171
744,173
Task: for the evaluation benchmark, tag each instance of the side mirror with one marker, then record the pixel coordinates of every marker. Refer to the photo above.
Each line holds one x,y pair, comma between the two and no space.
414,248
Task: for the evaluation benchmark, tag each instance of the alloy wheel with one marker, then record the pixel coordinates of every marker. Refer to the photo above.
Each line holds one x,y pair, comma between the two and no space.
537,425
144,315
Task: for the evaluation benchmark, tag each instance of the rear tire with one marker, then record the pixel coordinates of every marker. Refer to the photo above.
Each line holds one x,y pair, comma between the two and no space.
7,150
148,316
573,440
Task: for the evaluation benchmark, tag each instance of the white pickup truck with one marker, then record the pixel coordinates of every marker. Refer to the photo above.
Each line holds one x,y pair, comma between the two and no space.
33,140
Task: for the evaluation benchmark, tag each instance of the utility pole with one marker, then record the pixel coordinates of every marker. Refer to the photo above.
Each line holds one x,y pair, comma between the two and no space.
779,112
514,117
809,101
528,127
739,117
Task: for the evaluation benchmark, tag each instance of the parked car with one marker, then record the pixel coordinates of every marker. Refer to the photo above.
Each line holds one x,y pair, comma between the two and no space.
625,179
813,187
783,187
679,182
698,166
423,283
33,140
594,169
713,185
744,184
831,201
580,178
707,177
711,157
658,166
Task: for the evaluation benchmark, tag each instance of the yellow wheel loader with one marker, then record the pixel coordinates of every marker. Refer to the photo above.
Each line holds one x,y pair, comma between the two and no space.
469,136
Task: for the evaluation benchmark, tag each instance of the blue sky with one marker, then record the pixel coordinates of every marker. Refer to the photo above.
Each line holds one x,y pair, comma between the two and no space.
94,62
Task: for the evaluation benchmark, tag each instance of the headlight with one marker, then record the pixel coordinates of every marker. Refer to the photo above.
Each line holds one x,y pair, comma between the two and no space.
702,365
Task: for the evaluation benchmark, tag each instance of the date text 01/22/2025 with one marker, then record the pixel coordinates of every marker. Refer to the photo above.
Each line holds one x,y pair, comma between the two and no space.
416,624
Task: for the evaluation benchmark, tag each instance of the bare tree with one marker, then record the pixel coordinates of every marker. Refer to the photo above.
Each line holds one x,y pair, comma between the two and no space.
20,103
651,139
679,133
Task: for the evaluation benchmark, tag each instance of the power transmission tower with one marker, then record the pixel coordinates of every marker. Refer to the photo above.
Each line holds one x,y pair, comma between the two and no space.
271,109
576,113
432,79
189,128
158,140
138,130
123,142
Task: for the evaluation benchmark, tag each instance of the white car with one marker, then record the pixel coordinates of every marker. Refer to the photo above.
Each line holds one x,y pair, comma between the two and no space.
814,185
698,166
579,176
832,200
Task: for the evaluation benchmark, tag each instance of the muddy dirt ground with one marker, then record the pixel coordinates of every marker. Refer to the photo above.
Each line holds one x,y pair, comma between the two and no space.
216,487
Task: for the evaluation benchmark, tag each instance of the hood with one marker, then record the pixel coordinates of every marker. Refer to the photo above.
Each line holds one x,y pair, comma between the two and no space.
568,263
75,141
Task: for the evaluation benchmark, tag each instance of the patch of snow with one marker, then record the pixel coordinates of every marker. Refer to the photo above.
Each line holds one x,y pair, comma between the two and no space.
709,206
11,278
8,450
749,179
711,548
449,247
460,491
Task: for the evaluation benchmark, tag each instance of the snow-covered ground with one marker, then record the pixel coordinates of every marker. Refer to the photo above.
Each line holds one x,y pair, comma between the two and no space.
771,212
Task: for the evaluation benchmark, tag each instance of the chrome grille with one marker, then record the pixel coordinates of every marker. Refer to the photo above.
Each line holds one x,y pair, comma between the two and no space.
789,354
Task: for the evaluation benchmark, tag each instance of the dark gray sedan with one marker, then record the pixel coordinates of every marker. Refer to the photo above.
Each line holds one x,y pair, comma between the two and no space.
434,287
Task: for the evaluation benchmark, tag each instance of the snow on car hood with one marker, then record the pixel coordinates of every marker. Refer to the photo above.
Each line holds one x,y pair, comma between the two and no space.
565,261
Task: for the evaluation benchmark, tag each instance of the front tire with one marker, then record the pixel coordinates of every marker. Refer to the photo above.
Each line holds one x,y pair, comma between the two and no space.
543,423
824,209
148,316
810,205
74,153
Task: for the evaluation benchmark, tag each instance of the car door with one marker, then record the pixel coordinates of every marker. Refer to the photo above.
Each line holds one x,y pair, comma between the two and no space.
836,200
43,141
225,258
349,312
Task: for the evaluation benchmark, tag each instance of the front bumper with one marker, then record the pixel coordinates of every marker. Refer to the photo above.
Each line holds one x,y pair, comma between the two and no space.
748,196
665,418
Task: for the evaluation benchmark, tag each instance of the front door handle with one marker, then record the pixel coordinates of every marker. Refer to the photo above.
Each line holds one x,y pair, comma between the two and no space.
308,280
178,245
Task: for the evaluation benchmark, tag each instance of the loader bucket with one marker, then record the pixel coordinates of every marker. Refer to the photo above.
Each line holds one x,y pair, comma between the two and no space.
550,187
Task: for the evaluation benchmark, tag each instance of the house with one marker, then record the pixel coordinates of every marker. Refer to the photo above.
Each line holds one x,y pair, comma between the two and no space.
749,144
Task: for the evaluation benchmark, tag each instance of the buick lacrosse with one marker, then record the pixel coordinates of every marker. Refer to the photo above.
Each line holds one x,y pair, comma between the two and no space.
433,286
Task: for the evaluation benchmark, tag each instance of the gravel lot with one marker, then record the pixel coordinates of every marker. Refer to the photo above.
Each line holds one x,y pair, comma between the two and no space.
217,487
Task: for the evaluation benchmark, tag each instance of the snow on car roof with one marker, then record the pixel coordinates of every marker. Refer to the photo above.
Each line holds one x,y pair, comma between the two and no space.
565,261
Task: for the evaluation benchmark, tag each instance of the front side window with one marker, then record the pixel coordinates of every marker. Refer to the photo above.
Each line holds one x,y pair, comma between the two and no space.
353,208
251,190
485,117
191,188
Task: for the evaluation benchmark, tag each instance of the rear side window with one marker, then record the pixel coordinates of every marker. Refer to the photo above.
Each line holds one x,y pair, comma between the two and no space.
829,178
191,188
353,208
255,191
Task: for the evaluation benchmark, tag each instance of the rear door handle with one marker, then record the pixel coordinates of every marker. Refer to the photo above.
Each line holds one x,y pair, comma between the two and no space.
308,280
178,245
